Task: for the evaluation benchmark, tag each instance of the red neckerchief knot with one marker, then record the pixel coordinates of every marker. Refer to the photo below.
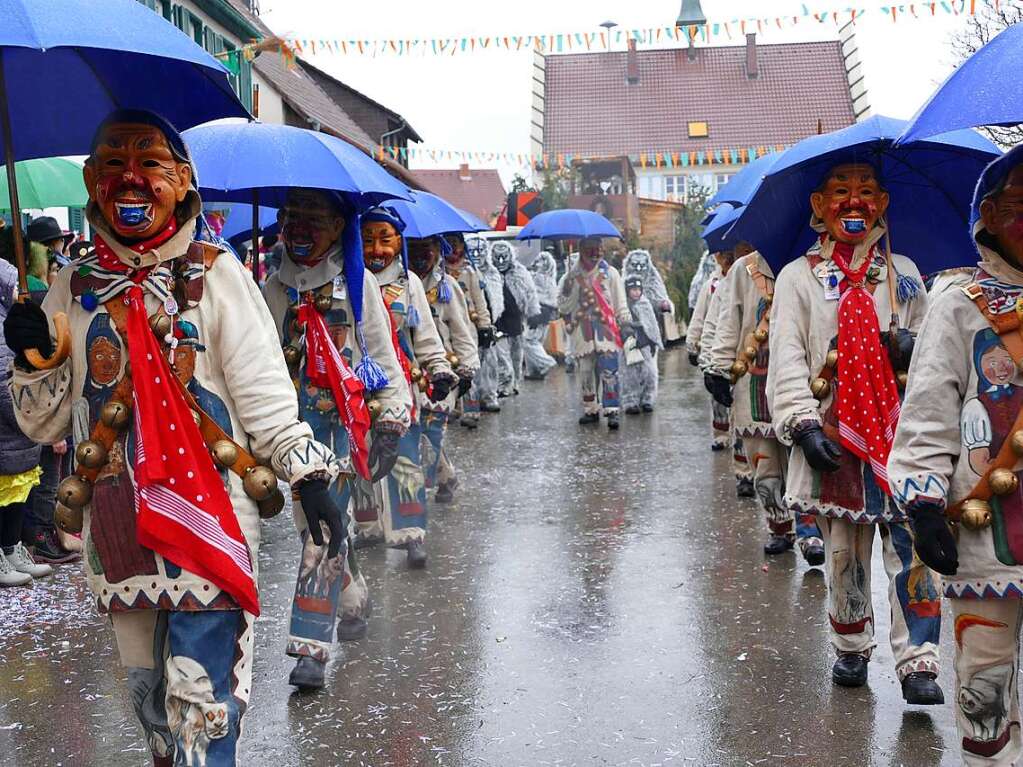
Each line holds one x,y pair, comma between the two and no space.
867,396
109,260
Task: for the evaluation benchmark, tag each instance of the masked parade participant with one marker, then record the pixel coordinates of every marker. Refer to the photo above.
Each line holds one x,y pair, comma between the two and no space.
956,459
736,377
451,317
520,306
395,508
171,533
639,263
833,389
639,379
544,271
336,335
461,269
592,302
484,385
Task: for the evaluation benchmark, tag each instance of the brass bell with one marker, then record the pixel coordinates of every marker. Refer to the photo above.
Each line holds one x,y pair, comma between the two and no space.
820,388
68,520
324,302
750,352
292,355
750,340
115,415
832,359
769,299
127,369
161,324
1003,482
74,492
453,360
259,483
376,408
739,368
760,334
975,514
474,316
416,373
91,454
272,506
1016,442
225,453
902,378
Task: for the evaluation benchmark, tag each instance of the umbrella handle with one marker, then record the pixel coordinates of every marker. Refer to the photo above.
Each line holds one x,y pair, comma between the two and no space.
891,278
61,353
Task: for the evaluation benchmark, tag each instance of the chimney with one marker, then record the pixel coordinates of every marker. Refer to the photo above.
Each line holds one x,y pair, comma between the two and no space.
463,172
751,55
632,64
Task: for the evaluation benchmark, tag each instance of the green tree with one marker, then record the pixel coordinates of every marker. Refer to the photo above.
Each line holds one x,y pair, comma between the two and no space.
689,247
519,184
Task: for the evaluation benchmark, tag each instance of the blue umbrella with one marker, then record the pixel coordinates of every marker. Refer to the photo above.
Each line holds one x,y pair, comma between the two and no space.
568,224
478,223
717,233
930,184
982,91
428,215
234,159
740,187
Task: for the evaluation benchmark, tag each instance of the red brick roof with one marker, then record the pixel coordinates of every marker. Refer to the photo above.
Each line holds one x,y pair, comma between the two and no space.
592,110
483,194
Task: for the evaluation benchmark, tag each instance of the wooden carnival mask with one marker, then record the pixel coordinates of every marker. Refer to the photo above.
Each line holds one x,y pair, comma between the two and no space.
1002,215
590,253
135,179
725,259
381,244
423,255
850,202
310,222
457,248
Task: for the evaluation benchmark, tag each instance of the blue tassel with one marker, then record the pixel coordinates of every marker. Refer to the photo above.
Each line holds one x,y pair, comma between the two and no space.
906,288
444,291
412,320
368,370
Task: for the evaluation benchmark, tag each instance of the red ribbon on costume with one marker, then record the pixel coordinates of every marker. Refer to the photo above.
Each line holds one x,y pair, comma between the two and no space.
183,511
327,369
109,260
606,312
868,397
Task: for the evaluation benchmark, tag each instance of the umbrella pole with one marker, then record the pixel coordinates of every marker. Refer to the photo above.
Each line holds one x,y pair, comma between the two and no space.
255,235
894,324
12,184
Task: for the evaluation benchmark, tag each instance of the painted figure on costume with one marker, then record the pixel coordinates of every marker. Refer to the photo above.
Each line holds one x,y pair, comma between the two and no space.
521,310
834,394
544,271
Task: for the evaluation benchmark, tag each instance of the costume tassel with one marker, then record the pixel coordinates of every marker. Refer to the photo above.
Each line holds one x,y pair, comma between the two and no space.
444,291
412,320
368,370
906,288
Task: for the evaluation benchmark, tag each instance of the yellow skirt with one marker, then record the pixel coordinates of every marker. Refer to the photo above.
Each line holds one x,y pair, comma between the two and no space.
14,488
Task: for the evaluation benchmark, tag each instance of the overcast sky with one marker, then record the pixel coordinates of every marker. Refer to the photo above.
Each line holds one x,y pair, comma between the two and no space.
481,102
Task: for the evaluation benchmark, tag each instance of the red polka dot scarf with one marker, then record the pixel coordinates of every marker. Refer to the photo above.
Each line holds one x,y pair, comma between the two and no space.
867,397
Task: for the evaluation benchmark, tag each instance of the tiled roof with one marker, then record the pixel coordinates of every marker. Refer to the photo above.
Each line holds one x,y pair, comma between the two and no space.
482,195
592,110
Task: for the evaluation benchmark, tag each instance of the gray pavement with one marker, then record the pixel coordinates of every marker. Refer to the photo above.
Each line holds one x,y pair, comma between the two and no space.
592,598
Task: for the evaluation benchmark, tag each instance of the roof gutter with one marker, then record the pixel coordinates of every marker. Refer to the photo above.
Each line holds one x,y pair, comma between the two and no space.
226,14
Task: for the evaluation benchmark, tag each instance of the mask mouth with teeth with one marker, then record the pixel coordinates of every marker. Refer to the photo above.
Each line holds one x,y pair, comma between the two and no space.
422,256
849,203
311,223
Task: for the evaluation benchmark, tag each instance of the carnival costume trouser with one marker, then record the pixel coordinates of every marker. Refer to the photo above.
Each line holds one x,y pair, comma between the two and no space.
639,381
538,361
484,385
599,372
721,425
769,460
913,593
190,676
986,675
511,351
436,467
397,503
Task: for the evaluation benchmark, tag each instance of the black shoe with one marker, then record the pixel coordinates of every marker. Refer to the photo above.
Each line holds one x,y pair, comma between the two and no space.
588,418
744,488
364,541
777,544
612,422
416,555
632,410
352,628
850,670
46,548
648,408
919,688
533,377
445,493
502,393
308,674
490,407
814,555
717,447
469,423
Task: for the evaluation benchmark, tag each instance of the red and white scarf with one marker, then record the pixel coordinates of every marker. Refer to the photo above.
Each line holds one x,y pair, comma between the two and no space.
867,400
326,368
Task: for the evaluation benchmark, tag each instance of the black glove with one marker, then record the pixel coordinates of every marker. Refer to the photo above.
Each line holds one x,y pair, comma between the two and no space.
626,332
900,351
318,506
549,313
720,388
464,384
535,321
26,328
821,453
441,387
933,541
694,359
485,337
383,453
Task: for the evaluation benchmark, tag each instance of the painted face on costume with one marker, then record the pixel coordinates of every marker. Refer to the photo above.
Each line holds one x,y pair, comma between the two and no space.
589,253
457,249
310,224
1002,215
381,244
997,366
423,255
104,361
850,203
184,362
135,180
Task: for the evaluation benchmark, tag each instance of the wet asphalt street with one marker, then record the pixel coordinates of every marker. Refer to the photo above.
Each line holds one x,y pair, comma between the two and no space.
591,598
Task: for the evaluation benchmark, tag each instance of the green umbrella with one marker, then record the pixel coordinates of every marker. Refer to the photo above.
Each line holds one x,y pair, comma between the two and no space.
52,182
